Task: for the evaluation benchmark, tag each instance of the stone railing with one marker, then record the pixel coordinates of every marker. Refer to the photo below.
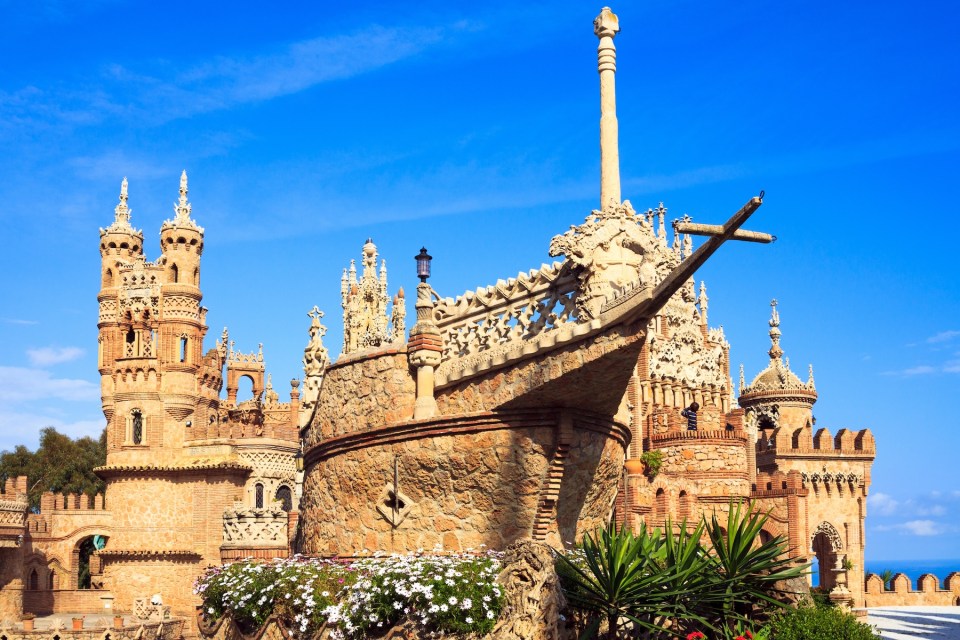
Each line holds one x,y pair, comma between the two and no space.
928,592
255,527
513,310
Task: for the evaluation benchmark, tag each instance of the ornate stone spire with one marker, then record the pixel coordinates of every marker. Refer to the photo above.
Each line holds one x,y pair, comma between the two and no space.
702,301
605,26
121,215
182,209
810,379
775,351
366,322
315,362
742,381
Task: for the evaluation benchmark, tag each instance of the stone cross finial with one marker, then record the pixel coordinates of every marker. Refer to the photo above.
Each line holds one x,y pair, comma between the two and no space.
605,26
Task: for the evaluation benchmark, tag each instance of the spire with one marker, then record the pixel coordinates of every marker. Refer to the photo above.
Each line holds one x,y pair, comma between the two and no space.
182,208
810,379
702,301
775,351
742,381
605,26
121,215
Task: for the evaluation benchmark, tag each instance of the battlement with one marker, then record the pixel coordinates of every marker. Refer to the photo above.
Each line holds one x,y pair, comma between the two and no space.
927,593
728,436
50,502
803,442
777,484
14,486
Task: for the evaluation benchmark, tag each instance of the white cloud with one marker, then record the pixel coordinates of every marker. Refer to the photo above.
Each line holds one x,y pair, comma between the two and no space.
932,510
24,427
922,528
163,94
920,370
882,504
943,336
18,321
21,384
47,356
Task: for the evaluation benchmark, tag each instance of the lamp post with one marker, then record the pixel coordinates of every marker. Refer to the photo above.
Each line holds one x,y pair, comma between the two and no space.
423,264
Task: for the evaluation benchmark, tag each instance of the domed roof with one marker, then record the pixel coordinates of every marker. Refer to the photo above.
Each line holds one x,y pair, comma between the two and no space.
777,376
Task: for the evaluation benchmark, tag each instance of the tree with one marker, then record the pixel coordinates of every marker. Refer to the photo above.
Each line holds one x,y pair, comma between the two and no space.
60,464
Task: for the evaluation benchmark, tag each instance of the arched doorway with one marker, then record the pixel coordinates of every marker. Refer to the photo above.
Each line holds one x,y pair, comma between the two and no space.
84,550
826,545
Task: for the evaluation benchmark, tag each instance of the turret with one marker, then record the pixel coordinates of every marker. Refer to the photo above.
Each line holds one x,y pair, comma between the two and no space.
777,397
181,242
119,243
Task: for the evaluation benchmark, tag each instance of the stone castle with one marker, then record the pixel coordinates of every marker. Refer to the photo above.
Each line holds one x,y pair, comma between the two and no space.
533,408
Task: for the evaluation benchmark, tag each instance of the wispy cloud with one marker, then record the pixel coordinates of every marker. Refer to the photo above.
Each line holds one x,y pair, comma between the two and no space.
943,336
882,504
47,356
920,370
917,528
163,94
22,384
20,321
24,427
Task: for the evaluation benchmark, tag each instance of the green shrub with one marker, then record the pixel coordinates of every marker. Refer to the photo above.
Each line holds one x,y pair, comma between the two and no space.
819,623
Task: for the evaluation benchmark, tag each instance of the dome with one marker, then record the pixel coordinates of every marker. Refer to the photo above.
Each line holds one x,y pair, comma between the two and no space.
777,376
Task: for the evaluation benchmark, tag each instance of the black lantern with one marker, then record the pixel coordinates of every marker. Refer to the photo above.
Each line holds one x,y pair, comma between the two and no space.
423,264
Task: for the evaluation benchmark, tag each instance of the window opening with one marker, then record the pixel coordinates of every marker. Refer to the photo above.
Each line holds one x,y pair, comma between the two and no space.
137,427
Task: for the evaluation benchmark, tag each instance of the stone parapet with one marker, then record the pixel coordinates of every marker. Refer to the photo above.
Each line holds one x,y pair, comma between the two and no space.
927,593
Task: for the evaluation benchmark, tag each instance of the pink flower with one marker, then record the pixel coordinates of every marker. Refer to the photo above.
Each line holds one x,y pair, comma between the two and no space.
696,635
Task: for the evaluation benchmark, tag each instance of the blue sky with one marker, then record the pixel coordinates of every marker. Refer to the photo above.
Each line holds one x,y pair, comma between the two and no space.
471,128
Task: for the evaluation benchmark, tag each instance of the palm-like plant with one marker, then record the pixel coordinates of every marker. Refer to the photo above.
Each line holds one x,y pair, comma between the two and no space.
887,576
660,585
620,578
747,569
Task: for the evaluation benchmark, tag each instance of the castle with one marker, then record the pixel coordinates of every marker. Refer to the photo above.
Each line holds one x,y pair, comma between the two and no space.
532,408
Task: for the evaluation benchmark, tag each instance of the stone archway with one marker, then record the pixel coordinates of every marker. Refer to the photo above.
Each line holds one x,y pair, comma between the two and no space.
826,545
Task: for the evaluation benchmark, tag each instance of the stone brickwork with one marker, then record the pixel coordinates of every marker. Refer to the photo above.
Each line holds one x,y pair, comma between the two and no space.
465,482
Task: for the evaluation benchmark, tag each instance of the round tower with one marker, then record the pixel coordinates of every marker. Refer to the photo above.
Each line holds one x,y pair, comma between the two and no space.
121,246
182,327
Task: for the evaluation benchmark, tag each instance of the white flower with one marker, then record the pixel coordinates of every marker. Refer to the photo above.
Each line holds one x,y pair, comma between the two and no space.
469,620
489,615
452,600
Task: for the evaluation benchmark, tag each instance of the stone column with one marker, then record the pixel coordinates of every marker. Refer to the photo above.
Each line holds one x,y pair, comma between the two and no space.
425,348
606,26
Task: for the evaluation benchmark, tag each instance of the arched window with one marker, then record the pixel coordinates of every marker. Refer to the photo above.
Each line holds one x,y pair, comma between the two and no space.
258,496
661,504
174,273
683,507
136,427
183,348
34,580
285,498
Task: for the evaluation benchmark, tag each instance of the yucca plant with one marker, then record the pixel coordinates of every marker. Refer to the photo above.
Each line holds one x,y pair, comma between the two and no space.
747,569
623,579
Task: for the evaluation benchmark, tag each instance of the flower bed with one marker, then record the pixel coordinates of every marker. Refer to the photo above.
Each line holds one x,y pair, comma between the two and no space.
448,593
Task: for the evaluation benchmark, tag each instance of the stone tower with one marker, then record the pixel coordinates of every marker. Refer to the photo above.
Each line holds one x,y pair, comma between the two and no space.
834,470
186,473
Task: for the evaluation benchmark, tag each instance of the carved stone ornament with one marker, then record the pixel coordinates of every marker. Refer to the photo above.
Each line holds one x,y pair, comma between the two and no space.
316,359
831,533
366,322
686,357
614,250
393,506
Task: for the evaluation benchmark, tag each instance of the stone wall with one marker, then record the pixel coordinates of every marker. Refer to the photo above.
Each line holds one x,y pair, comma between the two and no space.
928,591
11,584
481,479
